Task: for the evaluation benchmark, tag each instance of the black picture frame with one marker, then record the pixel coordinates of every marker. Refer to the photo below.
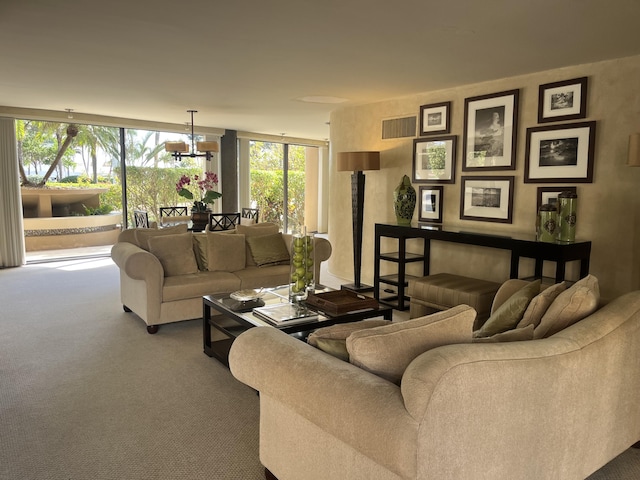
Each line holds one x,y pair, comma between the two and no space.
434,159
430,203
487,199
562,101
560,153
550,195
490,131
435,118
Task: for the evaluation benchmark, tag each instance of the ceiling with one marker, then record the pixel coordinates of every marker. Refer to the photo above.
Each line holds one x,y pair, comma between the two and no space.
245,64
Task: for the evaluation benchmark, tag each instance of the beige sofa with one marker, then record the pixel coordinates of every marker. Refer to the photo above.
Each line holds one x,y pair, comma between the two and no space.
165,272
558,407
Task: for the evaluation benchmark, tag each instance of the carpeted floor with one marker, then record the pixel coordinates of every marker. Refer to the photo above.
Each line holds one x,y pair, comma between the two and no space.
87,394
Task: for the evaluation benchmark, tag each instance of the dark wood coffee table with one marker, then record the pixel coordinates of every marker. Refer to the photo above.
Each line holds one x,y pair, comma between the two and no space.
221,327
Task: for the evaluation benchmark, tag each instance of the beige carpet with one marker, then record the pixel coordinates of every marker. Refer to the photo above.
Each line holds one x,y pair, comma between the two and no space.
87,394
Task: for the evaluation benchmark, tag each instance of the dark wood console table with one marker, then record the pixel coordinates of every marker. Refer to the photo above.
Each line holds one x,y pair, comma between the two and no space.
520,245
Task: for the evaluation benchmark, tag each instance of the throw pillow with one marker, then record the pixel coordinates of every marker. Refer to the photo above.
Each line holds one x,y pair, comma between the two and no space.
256,230
571,306
200,247
387,350
175,253
225,252
540,304
333,339
510,312
515,335
268,249
142,235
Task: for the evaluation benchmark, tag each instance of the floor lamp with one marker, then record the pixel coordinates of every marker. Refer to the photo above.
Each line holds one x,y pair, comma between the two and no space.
356,162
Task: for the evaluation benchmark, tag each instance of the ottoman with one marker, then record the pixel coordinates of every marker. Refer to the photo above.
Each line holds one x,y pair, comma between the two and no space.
445,290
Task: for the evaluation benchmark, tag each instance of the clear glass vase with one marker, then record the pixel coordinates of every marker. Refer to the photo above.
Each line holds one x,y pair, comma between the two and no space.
302,278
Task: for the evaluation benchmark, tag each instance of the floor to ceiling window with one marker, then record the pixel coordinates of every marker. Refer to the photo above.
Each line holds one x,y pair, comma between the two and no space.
72,171
277,183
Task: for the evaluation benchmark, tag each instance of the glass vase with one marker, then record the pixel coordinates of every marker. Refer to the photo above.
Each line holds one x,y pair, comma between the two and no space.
302,278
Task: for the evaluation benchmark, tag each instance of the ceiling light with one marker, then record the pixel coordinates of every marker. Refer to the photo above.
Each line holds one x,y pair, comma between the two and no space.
180,149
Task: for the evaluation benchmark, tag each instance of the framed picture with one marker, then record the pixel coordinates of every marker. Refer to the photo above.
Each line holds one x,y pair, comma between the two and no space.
560,153
430,204
490,128
434,159
435,118
550,195
561,101
488,199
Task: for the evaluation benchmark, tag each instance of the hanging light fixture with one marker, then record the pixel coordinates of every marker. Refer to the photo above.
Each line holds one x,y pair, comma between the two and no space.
180,149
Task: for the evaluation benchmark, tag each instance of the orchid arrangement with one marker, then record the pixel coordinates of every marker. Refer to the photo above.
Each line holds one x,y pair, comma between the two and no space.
205,187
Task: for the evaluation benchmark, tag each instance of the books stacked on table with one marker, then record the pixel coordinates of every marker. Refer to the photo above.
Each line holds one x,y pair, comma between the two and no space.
285,314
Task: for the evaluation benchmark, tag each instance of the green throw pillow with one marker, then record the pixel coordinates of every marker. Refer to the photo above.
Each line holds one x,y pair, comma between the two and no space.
509,314
268,249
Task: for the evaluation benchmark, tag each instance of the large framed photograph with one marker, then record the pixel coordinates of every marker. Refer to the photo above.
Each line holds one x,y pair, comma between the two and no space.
430,204
561,101
550,195
434,159
490,129
435,118
560,153
488,199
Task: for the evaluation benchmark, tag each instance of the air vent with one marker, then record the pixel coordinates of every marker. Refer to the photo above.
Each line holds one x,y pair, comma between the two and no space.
399,127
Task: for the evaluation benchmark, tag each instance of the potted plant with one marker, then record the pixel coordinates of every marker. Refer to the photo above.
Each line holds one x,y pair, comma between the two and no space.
205,189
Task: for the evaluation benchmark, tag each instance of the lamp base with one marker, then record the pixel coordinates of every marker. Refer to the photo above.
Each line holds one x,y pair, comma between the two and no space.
357,288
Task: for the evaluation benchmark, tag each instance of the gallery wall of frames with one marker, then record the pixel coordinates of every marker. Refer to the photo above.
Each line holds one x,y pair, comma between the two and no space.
560,149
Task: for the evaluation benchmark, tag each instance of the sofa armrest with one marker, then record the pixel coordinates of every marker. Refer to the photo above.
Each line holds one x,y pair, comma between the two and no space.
355,406
138,263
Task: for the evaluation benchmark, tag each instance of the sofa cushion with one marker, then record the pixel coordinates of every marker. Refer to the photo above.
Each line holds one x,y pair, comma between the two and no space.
509,314
387,350
571,306
539,305
142,235
258,277
268,249
195,285
225,253
333,339
175,253
256,230
200,246
514,335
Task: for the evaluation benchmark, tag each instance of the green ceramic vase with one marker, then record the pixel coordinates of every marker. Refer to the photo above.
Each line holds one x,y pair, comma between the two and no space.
404,201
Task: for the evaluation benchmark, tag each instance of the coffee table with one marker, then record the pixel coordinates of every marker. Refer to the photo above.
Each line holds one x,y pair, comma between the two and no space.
220,329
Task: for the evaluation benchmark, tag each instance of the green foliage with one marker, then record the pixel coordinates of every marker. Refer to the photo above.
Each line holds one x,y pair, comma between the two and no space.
101,210
149,188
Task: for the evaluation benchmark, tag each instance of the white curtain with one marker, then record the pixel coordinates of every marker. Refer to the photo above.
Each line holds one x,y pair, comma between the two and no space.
12,252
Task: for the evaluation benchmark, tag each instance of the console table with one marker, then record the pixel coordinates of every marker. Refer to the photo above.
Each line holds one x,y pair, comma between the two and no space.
520,245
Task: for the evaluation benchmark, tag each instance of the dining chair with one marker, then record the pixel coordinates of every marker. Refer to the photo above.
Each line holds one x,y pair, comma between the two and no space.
223,221
251,214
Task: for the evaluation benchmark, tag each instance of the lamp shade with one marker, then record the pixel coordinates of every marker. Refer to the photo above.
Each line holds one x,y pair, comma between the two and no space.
633,158
358,161
176,147
208,146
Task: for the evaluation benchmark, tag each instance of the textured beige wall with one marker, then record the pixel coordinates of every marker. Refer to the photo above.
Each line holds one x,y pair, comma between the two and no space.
608,209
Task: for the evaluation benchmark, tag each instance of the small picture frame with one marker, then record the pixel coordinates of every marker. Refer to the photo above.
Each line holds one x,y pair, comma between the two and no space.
562,101
550,195
560,153
435,118
487,199
490,129
434,159
430,204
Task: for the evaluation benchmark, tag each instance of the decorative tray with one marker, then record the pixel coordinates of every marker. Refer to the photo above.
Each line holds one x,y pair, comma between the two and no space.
339,302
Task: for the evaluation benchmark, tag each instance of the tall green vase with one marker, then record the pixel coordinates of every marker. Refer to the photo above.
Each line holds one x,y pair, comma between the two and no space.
404,201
